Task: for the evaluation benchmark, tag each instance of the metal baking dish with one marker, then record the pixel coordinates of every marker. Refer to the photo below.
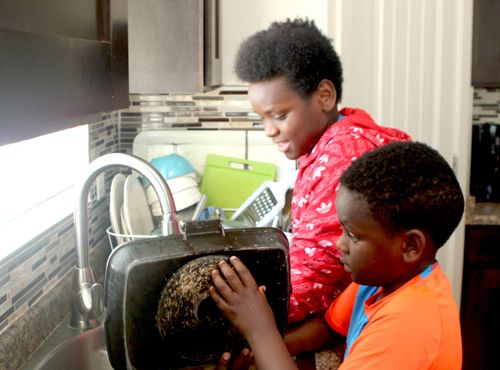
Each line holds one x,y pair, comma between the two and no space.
152,320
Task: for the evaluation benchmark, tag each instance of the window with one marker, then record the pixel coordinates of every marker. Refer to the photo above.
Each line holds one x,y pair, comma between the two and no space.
38,177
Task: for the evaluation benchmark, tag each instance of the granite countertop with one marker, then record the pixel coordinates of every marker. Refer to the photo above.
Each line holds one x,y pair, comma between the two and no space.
481,213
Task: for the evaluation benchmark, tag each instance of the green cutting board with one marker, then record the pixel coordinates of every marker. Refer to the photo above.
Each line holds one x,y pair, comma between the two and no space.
228,181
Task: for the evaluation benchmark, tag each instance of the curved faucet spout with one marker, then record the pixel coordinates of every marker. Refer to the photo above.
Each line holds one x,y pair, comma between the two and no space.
85,304
169,222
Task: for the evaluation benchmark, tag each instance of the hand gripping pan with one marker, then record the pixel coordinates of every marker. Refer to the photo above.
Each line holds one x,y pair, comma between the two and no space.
159,314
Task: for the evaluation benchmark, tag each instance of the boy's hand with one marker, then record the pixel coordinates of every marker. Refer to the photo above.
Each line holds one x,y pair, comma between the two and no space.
241,300
244,361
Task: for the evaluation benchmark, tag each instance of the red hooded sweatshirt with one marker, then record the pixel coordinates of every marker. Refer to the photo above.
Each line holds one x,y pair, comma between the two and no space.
317,275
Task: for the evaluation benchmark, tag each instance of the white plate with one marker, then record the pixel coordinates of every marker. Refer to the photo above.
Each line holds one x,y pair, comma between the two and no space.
124,228
136,212
115,204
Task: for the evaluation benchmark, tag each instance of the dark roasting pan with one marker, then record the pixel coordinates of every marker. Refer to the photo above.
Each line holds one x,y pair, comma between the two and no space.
159,314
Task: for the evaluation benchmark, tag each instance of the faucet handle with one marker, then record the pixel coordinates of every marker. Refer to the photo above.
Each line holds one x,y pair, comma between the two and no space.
97,300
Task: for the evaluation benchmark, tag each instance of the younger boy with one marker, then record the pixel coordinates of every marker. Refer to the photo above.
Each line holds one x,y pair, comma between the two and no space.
397,205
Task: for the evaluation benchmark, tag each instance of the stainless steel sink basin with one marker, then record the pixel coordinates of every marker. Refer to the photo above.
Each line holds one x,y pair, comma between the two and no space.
68,349
86,351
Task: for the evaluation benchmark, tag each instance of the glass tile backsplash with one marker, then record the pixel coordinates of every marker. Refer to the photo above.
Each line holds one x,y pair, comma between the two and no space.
486,108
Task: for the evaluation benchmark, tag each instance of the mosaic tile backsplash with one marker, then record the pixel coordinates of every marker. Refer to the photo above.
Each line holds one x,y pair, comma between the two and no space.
227,108
41,268
42,262
486,108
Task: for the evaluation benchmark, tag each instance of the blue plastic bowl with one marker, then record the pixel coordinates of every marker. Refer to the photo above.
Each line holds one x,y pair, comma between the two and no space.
172,165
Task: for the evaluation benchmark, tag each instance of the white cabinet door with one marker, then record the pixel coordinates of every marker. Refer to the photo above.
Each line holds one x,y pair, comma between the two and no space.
242,18
407,62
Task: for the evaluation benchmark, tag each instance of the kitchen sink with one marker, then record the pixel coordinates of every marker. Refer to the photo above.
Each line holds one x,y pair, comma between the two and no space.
68,349
85,351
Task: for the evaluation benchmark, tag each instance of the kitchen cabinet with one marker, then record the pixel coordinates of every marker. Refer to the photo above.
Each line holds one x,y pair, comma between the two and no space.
486,48
60,60
481,297
173,46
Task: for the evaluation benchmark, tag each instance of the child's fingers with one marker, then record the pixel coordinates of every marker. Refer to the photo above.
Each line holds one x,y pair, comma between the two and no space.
222,292
244,274
231,276
224,361
251,361
242,360
219,301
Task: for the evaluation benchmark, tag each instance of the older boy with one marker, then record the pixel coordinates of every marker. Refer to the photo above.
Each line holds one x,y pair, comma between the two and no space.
295,85
397,205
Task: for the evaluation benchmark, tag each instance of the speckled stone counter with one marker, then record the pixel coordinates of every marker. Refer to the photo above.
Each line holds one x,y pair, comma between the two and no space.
21,339
329,359
482,213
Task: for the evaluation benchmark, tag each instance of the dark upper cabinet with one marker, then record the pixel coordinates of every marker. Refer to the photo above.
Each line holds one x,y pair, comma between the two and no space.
60,60
486,44
481,297
173,46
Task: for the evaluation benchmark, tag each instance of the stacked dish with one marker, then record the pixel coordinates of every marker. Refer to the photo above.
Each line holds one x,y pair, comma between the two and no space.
116,205
184,191
129,211
181,179
133,204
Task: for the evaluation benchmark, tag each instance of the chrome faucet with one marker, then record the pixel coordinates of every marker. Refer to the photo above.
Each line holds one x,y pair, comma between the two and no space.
87,296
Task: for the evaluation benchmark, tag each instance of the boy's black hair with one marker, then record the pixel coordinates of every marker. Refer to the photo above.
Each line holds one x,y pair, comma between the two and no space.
408,185
293,49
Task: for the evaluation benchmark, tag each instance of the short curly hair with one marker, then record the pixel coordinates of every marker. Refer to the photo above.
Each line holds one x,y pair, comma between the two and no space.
293,49
408,185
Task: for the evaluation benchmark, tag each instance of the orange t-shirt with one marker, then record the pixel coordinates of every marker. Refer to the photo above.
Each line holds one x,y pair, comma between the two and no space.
416,327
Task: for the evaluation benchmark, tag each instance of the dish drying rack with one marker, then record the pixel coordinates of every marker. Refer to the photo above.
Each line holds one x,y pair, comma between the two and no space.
266,204
117,239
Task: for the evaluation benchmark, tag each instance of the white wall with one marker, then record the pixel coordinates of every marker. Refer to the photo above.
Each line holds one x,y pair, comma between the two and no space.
242,18
407,62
